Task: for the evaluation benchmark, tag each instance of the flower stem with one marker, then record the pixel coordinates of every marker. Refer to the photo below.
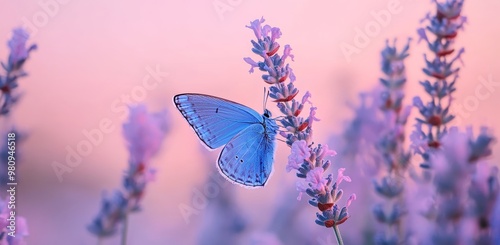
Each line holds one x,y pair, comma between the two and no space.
124,231
337,235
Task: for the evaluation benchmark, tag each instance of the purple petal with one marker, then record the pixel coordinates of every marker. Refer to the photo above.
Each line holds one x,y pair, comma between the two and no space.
251,62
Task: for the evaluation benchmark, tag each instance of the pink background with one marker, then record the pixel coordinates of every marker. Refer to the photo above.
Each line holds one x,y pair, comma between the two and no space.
92,52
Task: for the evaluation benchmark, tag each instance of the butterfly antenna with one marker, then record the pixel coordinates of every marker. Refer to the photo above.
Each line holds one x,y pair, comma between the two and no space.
266,94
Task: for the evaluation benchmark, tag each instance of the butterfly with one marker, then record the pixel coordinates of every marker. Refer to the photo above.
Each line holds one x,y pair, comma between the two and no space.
248,137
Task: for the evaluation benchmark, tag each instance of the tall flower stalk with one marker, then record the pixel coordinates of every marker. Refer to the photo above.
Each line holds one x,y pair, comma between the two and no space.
144,134
9,96
306,158
394,156
465,188
442,73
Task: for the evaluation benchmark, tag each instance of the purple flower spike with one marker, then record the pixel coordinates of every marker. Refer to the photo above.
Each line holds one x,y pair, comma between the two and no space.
19,53
440,68
307,160
144,133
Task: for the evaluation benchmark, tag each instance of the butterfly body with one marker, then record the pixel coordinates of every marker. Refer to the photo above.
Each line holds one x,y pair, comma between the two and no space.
248,137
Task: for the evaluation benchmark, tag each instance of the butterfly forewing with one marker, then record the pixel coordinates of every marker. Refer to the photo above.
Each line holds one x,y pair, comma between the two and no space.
247,159
216,121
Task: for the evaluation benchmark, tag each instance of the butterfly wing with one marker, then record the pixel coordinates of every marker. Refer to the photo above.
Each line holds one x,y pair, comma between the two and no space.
247,159
215,120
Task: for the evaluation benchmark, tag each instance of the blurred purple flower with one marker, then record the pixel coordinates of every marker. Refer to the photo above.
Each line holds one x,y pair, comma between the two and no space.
17,45
18,55
361,134
393,156
144,133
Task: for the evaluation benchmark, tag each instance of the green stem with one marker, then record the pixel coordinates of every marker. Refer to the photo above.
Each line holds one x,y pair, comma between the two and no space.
337,235
124,231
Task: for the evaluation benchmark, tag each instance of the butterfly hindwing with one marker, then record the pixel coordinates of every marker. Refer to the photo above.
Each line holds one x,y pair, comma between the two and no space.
247,159
216,121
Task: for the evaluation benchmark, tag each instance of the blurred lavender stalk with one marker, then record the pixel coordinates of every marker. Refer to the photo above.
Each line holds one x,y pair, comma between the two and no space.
19,53
358,141
465,189
391,150
307,159
444,25
144,133
359,154
9,96
432,127
372,146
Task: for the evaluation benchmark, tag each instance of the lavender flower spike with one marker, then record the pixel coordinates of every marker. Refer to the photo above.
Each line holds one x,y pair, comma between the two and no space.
19,53
306,158
441,70
144,133
390,148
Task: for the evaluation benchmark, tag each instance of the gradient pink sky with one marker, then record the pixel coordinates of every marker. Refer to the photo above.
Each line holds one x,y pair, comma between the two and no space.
93,52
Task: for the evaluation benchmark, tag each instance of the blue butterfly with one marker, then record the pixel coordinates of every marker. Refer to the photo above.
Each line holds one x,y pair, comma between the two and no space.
248,138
